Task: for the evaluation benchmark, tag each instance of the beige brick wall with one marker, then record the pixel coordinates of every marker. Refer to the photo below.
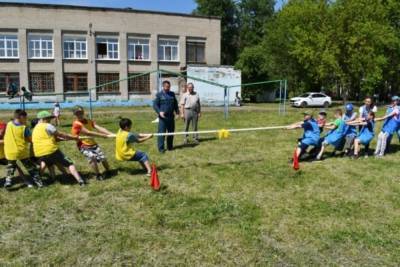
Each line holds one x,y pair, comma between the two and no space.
65,20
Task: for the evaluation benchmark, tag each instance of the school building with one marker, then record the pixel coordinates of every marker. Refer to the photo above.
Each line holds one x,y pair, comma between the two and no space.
59,51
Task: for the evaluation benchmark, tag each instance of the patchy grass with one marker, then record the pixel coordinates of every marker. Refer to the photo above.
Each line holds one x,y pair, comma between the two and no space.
228,202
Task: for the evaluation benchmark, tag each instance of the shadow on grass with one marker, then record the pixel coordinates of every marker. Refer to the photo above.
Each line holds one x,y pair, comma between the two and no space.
393,148
192,145
18,183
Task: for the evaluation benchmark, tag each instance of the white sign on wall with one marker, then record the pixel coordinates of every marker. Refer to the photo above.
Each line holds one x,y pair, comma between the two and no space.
212,94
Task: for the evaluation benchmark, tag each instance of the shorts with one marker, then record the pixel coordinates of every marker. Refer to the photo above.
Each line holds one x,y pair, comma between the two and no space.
57,158
140,156
3,162
93,152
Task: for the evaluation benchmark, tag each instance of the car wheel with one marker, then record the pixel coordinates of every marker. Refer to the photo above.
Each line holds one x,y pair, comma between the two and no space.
326,105
303,104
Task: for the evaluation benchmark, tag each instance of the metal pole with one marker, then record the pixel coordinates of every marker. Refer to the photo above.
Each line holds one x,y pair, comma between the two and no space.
284,98
90,105
158,79
280,96
226,102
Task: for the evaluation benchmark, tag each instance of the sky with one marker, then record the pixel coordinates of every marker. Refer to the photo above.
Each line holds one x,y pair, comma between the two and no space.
178,6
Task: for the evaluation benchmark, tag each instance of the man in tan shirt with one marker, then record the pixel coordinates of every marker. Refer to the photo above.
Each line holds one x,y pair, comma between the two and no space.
191,111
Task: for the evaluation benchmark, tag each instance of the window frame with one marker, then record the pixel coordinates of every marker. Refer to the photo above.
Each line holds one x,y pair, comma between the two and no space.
41,91
134,91
118,91
9,76
133,46
3,37
75,76
75,40
31,54
171,46
196,42
107,42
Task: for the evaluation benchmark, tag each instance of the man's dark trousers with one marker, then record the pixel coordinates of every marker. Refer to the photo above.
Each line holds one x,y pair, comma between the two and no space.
166,125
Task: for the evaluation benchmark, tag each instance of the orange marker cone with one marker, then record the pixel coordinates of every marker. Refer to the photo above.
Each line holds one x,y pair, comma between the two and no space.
296,165
154,182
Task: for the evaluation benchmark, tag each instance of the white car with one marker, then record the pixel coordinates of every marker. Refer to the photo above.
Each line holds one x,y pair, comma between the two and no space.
311,100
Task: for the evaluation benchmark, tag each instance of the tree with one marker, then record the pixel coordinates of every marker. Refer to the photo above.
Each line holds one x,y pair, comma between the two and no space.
253,16
227,10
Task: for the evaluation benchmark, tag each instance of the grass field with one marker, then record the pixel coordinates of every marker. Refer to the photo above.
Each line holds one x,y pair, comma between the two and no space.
224,202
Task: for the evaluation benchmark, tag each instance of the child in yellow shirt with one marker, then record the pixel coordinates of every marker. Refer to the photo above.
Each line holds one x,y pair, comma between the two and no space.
17,141
45,147
124,150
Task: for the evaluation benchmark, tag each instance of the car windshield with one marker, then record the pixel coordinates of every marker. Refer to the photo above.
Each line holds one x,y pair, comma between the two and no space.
305,95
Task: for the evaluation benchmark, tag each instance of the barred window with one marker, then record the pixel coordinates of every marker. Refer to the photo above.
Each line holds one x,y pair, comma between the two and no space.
75,82
41,82
6,79
105,78
139,85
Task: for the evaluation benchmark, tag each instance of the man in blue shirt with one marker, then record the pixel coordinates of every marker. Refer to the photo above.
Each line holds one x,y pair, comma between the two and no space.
166,107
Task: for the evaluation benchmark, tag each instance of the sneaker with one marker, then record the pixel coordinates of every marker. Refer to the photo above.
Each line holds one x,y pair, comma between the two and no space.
354,156
82,183
99,177
196,142
148,174
38,182
29,184
8,183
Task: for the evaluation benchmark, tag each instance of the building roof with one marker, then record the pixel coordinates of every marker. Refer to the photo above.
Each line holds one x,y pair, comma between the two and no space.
92,8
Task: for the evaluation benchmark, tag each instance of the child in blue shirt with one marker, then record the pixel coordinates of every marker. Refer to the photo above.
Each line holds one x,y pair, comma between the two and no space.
366,133
390,126
311,134
350,130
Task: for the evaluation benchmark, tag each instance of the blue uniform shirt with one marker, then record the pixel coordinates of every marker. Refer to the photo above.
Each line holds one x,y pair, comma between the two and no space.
391,124
350,130
311,132
167,103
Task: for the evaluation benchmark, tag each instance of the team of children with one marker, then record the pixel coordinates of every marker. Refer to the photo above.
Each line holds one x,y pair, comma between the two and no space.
343,134
36,147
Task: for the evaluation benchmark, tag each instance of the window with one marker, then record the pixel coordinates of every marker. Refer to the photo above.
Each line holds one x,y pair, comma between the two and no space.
75,48
41,82
139,85
138,49
75,82
8,46
40,46
105,78
195,52
318,95
168,50
6,79
107,48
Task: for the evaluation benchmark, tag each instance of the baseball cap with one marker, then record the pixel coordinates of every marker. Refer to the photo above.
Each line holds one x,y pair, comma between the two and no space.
349,107
395,98
44,114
